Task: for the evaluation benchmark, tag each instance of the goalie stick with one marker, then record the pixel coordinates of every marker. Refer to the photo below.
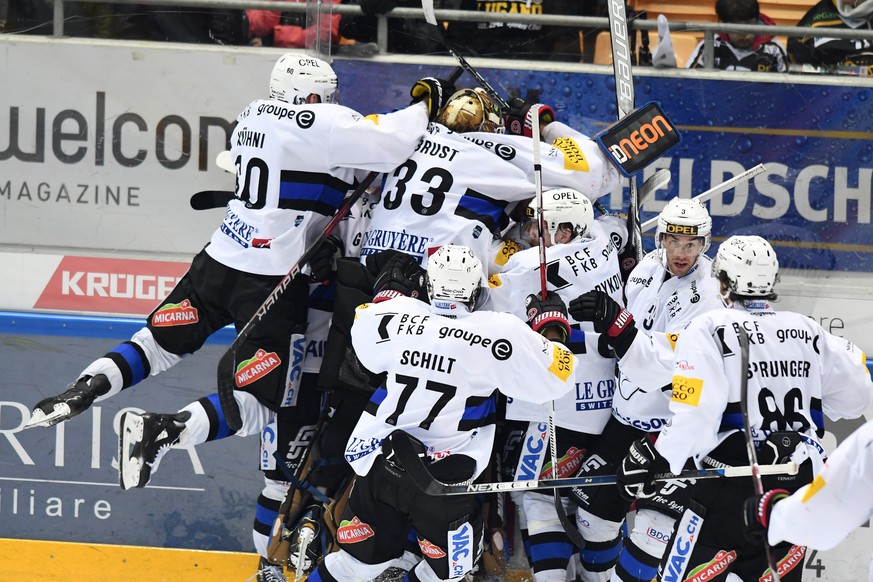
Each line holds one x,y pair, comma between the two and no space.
726,185
415,467
225,374
624,100
747,433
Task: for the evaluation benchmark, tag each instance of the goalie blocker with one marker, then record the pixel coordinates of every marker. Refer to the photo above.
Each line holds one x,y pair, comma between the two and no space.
638,139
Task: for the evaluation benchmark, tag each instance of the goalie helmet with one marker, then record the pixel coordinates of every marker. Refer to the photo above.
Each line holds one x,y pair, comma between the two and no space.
749,264
563,205
471,110
454,274
296,76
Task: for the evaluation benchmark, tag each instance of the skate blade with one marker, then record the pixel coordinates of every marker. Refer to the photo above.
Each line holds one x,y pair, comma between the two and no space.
38,417
129,468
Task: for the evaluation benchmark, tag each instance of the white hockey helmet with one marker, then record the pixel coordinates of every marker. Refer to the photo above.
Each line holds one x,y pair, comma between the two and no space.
749,264
563,205
471,110
454,273
296,76
684,217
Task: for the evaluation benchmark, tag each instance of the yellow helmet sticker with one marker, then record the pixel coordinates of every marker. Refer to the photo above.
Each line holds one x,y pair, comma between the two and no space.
507,249
574,159
687,390
562,363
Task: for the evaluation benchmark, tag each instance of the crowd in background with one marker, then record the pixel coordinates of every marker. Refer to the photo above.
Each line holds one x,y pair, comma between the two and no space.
356,34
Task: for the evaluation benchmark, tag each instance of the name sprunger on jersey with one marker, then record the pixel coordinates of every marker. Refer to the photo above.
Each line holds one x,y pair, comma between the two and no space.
427,360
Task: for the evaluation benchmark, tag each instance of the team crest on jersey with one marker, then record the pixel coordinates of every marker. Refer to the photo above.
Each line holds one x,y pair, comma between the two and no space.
712,569
257,367
175,314
792,559
567,465
430,550
354,531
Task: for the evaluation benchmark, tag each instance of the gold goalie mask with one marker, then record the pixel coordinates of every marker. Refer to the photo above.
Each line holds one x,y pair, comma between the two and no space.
471,110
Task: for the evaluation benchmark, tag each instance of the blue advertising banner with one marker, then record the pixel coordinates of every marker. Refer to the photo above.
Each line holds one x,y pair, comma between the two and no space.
813,202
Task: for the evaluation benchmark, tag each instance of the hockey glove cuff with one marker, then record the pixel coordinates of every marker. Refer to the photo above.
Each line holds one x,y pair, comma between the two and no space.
434,92
322,265
635,474
756,513
609,318
401,275
548,314
519,117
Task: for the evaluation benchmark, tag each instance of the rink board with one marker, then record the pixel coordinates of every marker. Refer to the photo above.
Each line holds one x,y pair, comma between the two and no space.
59,483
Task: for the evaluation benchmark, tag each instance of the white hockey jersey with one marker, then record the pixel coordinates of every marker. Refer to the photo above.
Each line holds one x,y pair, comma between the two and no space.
442,376
456,188
662,306
797,372
571,269
839,499
295,164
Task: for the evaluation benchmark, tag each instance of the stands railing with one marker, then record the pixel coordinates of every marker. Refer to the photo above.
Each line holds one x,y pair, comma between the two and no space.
708,29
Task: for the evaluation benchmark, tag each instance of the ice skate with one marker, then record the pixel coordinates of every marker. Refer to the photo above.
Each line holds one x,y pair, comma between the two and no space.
305,548
268,572
55,409
145,439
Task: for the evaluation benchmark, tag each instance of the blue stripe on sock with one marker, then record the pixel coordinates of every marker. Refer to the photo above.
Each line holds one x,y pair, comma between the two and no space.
223,430
636,568
600,556
551,550
265,516
133,359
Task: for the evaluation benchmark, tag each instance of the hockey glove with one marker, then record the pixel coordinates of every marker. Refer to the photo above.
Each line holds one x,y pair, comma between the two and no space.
377,7
401,276
434,92
518,118
323,262
548,314
610,319
634,475
756,514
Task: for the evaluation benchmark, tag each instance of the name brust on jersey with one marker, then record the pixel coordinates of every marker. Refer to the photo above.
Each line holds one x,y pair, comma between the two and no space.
425,146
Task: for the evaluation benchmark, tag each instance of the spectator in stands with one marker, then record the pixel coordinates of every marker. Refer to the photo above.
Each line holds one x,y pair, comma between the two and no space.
288,29
833,54
405,35
521,40
733,51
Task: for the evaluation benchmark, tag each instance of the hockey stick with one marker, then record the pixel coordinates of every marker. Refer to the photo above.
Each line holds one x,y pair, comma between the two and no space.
430,17
208,199
726,185
747,432
624,100
225,375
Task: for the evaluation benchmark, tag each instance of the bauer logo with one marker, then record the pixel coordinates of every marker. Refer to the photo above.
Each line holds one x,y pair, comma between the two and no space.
640,138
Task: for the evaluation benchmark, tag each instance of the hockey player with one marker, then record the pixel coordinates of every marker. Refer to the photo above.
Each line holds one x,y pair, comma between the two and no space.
580,256
796,372
296,155
442,364
670,286
820,515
